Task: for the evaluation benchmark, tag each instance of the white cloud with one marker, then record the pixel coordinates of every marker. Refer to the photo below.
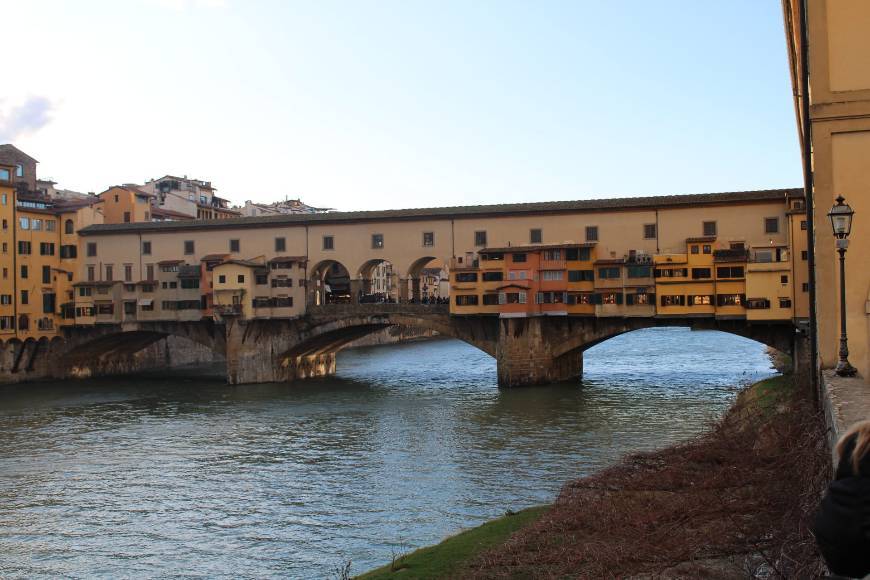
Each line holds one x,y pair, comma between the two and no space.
23,118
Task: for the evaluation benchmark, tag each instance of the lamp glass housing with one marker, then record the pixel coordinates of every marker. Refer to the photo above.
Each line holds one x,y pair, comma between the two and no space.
841,218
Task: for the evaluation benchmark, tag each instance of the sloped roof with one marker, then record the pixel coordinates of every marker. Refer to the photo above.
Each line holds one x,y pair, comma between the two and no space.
457,212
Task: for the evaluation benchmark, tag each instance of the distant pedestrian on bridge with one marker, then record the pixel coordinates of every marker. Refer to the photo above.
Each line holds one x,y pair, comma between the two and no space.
842,526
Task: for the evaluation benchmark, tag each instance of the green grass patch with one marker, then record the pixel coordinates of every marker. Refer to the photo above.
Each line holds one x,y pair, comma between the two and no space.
767,394
445,559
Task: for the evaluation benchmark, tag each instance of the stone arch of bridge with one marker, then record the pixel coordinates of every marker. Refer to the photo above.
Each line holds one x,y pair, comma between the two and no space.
390,287
777,336
327,336
329,281
415,272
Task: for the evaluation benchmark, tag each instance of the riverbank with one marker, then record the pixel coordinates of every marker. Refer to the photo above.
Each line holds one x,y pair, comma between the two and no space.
734,502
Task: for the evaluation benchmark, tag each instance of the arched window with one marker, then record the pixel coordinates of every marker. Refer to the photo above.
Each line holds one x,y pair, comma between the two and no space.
68,227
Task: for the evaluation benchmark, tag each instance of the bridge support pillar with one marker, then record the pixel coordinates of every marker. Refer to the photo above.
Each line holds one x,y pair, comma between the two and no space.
802,362
357,289
525,355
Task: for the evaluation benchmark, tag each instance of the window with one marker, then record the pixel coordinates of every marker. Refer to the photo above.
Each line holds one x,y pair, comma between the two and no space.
493,276
490,299
671,300
649,231
24,271
729,300
5,273
23,322
517,275
282,283
5,224
536,235
671,272
428,238
783,279
149,271
581,275
466,300
699,273
188,247
707,249
805,255
729,272
609,273
579,299
280,244
591,233
68,227
23,247
261,279
240,278
25,223
19,170
805,287
235,246
479,238
189,283
552,275
639,299
127,217
129,307
222,279
771,225
92,249
709,228
36,225
6,299
518,258
578,254
552,255
704,300
146,248
377,241
50,225
803,224
46,249
92,273
4,175
695,249
46,274
328,243
25,297
128,272
785,302
639,271
110,271
466,276
512,298
758,304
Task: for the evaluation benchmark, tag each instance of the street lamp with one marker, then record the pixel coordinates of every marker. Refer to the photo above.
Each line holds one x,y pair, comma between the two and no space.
841,222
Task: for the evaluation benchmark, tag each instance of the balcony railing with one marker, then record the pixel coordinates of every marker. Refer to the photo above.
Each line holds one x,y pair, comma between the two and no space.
735,255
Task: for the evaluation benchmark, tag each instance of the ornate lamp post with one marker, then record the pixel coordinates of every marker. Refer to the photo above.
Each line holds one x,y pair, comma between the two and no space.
841,222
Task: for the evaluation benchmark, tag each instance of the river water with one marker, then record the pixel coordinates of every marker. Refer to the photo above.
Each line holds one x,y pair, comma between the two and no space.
182,475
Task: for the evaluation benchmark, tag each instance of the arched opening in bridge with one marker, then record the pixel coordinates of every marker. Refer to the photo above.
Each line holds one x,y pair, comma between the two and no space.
329,283
378,281
429,281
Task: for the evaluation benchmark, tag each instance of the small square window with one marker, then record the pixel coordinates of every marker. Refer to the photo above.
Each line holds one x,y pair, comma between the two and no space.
708,249
235,246
591,233
428,239
649,231
805,255
92,249
241,278
709,228
805,287
188,247
803,224
146,248
536,235
328,243
222,279
480,238
783,279
377,241
771,225
280,244
696,249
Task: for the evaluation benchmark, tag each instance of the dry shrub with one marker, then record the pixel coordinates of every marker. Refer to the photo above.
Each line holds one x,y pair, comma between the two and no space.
735,502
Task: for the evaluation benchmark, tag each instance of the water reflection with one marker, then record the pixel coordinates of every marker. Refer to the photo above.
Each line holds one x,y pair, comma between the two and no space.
155,475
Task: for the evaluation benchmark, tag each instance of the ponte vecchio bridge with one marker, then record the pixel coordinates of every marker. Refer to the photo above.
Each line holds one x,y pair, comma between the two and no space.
533,285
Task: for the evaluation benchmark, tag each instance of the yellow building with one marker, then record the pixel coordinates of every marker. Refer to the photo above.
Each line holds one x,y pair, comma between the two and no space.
834,131
126,204
7,252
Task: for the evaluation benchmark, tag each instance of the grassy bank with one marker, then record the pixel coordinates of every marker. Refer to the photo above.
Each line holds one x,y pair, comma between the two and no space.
734,502
444,560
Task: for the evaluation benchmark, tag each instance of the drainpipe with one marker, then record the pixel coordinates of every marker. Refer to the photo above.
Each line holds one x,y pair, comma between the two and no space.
806,129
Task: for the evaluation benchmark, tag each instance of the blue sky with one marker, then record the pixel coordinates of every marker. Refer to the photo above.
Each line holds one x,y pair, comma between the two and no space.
378,104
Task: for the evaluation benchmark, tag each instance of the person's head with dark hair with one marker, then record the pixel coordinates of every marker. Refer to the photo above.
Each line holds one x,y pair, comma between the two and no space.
842,526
